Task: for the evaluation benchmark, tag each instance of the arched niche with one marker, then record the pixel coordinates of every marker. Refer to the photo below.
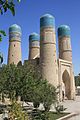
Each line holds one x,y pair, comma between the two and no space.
66,81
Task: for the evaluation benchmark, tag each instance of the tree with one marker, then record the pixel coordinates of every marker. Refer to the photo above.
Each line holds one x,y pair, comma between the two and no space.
2,81
25,81
16,112
35,89
10,81
77,80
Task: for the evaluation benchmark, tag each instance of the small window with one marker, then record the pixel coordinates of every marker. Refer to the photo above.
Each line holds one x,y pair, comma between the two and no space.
14,45
12,55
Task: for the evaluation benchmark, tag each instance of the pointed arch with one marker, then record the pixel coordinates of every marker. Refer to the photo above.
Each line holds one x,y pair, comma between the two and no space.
66,81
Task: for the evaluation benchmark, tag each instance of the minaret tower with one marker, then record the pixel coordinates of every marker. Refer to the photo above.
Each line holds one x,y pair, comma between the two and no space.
34,46
48,58
65,53
65,50
14,51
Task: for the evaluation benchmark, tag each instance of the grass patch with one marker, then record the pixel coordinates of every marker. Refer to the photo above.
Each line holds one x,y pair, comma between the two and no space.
54,115
42,115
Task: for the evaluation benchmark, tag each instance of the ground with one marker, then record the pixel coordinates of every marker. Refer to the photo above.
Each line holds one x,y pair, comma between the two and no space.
72,107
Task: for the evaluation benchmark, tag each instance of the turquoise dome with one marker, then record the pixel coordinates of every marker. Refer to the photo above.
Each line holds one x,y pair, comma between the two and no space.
15,28
64,30
34,36
47,20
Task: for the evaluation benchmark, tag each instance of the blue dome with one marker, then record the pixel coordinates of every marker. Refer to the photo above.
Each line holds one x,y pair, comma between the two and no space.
15,28
47,20
34,36
64,30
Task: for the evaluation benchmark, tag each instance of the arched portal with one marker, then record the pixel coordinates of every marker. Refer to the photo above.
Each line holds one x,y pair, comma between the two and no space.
66,81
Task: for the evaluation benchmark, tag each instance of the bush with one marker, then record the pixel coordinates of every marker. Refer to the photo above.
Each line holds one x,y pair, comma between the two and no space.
36,104
60,108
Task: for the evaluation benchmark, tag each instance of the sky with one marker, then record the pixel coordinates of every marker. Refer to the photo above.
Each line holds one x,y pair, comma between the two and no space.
28,13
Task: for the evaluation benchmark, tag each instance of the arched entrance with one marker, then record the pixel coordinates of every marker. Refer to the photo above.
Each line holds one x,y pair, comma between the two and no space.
66,81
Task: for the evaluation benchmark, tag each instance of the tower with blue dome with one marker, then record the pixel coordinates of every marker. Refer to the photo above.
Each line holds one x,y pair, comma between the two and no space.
48,58
65,50
14,51
34,46
65,62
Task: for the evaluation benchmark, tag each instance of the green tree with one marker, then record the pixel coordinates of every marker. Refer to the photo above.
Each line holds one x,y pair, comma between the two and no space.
10,81
2,81
49,95
25,81
35,89
77,80
16,112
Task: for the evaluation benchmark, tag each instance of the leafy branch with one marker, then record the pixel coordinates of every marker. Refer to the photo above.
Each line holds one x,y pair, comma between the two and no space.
2,33
7,4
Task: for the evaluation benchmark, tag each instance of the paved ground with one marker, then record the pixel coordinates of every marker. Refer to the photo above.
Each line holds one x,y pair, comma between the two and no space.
75,118
72,106
1,117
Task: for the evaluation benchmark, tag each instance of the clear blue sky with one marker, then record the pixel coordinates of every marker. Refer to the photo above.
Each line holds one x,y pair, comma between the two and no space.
28,14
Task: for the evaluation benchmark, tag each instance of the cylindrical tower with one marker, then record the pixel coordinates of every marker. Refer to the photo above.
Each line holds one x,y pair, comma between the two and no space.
65,51
48,58
34,46
14,51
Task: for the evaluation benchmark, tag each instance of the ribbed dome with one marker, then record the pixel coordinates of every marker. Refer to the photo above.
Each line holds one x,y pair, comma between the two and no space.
47,15
47,20
64,30
15,28
34,36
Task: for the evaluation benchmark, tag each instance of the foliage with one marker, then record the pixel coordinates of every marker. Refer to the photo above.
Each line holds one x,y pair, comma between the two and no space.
49,96
9,82
25,81
37,115
16,112
60,108
35,89
7,4
42,115
2,33
77,80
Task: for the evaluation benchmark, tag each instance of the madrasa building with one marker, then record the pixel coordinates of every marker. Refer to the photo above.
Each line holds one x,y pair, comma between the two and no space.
57,71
